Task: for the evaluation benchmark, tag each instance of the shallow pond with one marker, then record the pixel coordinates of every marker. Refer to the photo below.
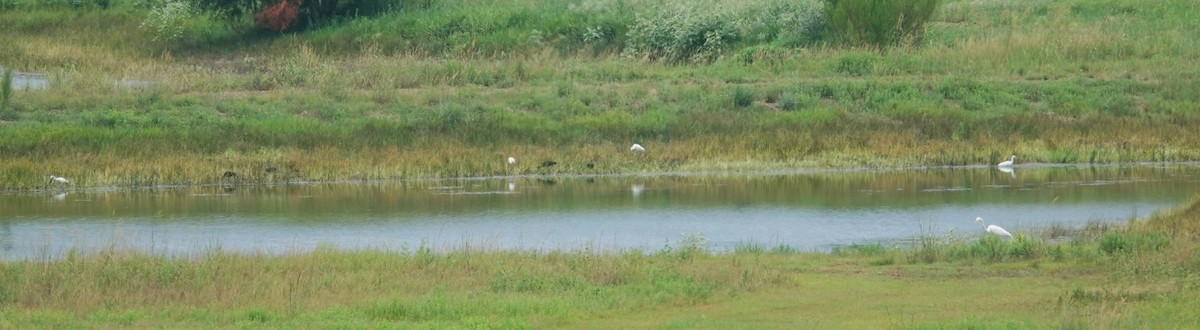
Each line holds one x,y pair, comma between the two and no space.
806,210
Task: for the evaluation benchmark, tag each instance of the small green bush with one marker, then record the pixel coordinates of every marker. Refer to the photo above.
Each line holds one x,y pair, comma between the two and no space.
742,97
788,102
879,23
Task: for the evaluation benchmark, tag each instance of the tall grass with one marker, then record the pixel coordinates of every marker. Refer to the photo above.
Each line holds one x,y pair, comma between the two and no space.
880,24
408,287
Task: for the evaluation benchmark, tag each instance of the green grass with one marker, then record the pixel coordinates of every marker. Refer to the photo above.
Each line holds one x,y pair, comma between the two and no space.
451,89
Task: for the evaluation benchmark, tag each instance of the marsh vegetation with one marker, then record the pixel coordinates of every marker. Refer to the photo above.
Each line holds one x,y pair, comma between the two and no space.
450,90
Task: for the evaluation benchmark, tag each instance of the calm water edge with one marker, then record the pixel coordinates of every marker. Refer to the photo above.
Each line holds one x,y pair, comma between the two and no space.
806,210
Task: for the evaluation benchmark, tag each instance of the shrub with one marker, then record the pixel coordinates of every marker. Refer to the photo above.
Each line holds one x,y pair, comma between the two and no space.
879,23
165,21
783,22
788,102
680,35
742,97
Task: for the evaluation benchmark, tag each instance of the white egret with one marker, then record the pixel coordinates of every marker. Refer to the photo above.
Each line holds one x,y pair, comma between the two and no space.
994,229
512,161
1008,163
637,147
60,180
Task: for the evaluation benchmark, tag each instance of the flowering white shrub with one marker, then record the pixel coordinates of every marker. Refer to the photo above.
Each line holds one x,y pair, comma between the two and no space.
165,20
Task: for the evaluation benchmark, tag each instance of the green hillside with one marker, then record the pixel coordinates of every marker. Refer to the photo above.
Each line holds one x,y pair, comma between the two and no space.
439,88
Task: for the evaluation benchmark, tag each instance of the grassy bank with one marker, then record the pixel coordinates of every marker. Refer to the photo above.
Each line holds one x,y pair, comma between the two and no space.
443,89
1140,276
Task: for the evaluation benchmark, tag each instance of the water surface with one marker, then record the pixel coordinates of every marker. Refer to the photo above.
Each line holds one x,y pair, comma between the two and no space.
805,210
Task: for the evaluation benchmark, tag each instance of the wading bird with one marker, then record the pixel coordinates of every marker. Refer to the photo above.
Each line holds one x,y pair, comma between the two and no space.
637,147
548,163
512,161
1009,162
60,180
994,229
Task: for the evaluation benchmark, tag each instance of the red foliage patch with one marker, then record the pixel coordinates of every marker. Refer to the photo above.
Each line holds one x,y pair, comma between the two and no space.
278,16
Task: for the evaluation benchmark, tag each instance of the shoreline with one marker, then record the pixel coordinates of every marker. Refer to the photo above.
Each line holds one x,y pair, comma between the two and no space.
780,170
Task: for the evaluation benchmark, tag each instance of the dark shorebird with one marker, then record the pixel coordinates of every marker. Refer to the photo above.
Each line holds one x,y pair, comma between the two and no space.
548,163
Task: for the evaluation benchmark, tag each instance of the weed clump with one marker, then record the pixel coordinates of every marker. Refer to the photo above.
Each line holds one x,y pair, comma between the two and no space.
742,97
